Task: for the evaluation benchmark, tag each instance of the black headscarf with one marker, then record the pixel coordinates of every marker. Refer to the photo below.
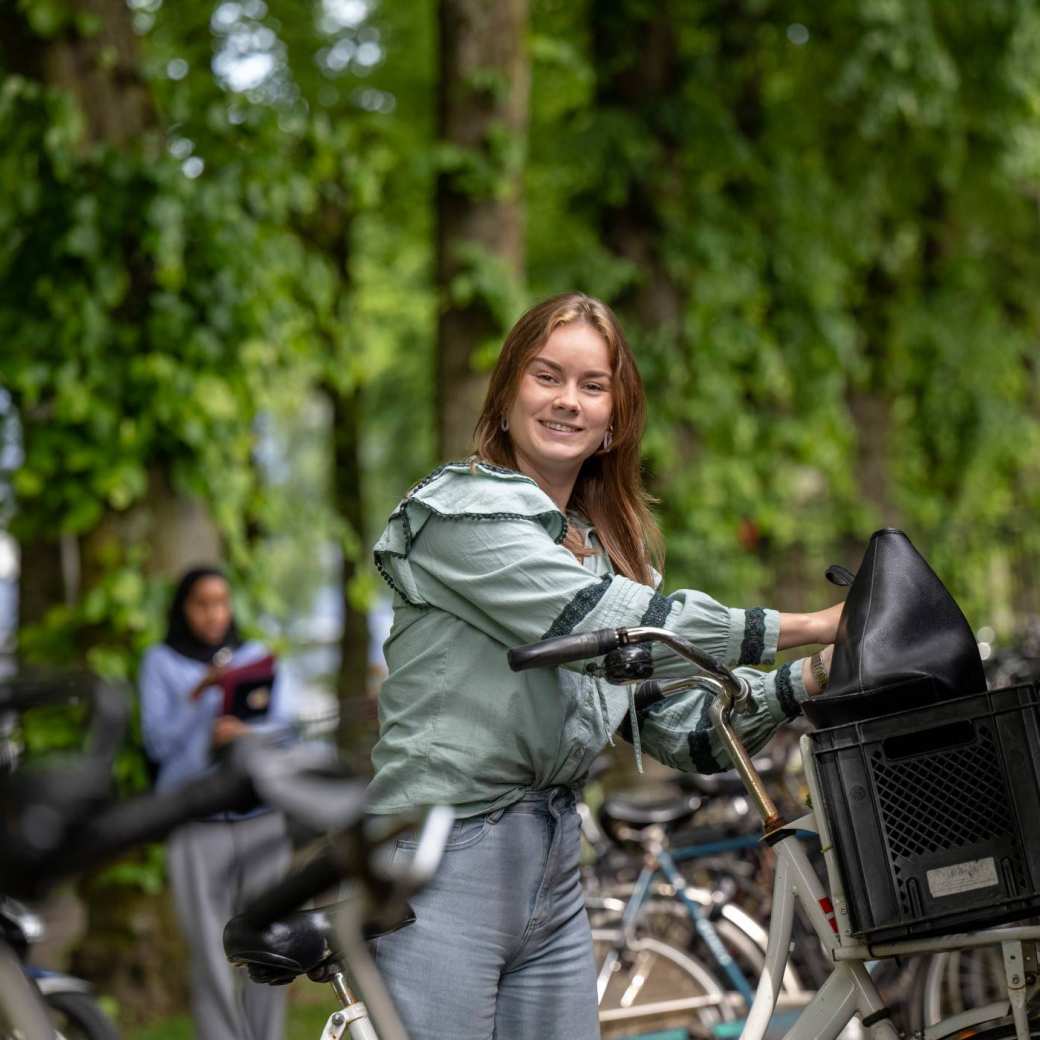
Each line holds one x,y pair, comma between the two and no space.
179,633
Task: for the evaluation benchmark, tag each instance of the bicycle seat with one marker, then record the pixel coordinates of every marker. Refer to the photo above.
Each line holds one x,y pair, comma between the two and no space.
727,784
638,813
297,944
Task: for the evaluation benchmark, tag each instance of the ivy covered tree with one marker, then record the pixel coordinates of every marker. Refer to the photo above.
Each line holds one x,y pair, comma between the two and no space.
483,85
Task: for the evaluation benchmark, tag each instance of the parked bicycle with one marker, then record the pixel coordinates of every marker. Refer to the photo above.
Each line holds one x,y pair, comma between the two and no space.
849,991
60,818
69,1000
665,939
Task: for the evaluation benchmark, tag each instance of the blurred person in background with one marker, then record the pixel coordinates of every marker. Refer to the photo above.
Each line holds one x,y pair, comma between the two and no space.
201,688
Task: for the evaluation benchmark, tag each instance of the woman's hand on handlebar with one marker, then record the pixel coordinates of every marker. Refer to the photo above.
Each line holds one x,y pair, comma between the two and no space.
818,626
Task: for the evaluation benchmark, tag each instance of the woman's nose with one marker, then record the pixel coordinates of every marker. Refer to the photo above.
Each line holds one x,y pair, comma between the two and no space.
567,398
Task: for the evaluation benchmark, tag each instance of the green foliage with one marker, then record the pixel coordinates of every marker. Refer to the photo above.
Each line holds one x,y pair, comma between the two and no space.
832,207
170,311
822,239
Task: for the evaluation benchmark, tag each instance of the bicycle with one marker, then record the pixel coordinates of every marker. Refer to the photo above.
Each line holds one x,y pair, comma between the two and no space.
69,1000
59,820
663,934
849,991
277,943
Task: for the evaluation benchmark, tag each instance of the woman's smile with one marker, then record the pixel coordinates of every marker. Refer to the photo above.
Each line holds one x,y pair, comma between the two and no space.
558,427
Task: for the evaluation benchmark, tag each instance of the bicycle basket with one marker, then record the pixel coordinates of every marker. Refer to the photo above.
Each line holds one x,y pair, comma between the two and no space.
935,814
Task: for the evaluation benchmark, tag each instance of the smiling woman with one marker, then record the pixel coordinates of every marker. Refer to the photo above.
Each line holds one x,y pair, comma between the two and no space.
566,407
546,530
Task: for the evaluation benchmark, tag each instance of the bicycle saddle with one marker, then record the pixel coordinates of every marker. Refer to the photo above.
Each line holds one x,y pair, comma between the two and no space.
638,813
902,640
728,784
297,944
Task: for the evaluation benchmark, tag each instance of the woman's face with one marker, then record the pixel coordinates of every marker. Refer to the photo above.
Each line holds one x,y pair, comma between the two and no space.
208,608
564,402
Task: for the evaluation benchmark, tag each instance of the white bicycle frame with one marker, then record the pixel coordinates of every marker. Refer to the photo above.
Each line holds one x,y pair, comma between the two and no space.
849,990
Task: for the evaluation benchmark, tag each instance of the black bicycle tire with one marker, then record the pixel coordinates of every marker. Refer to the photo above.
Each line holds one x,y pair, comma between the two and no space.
82,1010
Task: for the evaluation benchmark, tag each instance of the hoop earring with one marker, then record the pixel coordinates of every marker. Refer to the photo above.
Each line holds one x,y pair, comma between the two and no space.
608,438
504,424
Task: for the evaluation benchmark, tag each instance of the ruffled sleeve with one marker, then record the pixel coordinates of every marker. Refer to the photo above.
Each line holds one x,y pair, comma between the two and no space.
486,493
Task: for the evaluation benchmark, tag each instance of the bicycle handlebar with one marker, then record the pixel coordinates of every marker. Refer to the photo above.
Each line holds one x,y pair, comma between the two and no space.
57,821
560,650
109,706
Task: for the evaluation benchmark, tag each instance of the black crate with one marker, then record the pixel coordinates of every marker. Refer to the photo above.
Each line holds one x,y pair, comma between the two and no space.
935,814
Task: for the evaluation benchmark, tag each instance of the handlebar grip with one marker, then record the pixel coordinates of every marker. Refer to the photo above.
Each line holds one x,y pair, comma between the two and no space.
151,817
551,653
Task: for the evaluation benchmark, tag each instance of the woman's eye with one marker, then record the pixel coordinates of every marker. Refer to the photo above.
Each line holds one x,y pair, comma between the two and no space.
545,377
597,387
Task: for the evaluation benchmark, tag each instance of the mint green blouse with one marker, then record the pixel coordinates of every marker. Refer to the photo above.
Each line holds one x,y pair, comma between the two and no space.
474,557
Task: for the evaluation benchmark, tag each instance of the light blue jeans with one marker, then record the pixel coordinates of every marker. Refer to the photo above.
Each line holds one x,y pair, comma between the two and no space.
501,946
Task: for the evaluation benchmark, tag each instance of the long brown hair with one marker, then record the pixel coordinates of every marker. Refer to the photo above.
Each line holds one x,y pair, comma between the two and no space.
609,490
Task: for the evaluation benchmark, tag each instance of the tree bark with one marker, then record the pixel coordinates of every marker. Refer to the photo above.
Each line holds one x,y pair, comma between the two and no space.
638,80
102,71
328,231
482,108
41,578
355,718
177,529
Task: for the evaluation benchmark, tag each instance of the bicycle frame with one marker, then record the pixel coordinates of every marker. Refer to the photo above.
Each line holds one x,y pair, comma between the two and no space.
850,990
661,862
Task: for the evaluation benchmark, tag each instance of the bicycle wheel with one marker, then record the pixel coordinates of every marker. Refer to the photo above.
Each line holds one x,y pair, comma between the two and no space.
77,1017
645,981
665,918
953,981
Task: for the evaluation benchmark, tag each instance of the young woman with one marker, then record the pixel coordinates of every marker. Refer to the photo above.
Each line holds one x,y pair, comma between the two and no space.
545,531
215,865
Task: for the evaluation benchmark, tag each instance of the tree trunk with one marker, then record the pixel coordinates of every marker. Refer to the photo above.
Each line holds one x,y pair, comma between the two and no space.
640,80
328,232
96,60
42,582
482,101
177,529
355,716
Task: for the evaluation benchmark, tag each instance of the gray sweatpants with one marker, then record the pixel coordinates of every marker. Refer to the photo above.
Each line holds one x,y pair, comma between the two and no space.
215,868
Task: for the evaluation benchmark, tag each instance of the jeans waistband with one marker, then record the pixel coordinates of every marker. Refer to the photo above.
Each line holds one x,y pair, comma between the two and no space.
551,800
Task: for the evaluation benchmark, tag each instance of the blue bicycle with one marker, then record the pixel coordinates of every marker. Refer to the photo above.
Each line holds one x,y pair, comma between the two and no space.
672,947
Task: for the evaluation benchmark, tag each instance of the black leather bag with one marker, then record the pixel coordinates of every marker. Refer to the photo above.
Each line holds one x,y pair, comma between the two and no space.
902,640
